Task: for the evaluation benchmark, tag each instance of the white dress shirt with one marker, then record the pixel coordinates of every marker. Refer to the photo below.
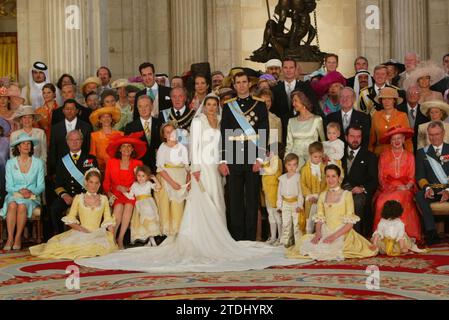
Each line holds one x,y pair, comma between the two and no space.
70,126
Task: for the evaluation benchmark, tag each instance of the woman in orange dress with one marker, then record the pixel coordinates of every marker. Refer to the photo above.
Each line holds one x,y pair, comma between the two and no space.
397,180
105,119
386,119
119,177
46,111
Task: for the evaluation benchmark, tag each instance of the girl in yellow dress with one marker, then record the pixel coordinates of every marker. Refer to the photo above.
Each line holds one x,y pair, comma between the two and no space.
390,237
89,236
172,161
335,238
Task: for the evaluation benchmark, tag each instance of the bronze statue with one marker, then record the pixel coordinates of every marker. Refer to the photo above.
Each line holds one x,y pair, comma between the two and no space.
279,44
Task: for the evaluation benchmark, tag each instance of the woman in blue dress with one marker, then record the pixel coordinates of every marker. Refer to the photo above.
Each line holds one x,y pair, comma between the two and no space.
24,184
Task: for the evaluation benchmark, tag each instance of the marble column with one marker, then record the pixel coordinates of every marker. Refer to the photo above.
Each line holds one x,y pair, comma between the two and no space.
409,28
374,31
188,34
68,35
224,34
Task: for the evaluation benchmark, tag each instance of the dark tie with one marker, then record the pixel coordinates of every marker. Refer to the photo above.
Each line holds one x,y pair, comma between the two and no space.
351,155
412,114
178,114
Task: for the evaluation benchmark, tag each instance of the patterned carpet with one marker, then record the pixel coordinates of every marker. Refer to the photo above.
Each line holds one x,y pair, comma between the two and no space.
412,277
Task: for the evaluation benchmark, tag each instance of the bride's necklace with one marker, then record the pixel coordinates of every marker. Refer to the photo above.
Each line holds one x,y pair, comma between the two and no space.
397,163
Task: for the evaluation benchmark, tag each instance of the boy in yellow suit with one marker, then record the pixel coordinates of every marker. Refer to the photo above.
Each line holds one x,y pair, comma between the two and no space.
313,182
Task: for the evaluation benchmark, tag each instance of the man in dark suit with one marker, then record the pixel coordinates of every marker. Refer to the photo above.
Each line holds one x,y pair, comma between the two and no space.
361,178
434,187
159,94
69,168
150,126
179,114
349,117
243,142
443,85
367,97
69,93
282,104
58,143
413,110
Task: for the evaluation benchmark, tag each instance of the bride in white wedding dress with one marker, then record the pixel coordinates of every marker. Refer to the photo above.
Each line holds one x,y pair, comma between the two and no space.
203,243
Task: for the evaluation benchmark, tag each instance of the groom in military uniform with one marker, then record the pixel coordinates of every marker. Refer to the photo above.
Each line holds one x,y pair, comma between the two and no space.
244,132
432,174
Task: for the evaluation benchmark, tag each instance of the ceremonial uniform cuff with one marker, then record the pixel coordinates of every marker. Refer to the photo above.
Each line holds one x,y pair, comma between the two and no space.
223,162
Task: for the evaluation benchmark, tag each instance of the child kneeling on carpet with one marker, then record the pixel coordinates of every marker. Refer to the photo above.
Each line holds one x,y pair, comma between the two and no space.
89,236
390,237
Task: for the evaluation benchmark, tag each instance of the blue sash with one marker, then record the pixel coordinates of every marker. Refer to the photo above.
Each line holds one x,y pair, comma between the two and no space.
166,114
437,168
243,122
73,170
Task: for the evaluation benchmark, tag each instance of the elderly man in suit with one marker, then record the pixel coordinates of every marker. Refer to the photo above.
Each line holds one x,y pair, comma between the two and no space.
150,126
361,178
347,116
411,61
413,110
180,115
432,172
70,170
159,94
58,143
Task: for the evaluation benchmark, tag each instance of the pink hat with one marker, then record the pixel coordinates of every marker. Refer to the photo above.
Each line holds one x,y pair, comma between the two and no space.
322,86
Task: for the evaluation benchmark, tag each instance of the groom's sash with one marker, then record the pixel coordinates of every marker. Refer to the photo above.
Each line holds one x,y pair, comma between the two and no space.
437,168
73,170
243,122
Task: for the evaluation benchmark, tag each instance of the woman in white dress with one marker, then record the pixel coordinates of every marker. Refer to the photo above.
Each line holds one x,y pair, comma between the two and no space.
203,243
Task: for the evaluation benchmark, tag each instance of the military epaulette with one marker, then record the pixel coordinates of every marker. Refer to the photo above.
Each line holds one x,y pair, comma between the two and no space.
258,99
230,100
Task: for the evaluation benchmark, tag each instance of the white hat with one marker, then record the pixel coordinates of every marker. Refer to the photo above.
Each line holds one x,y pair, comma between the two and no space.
274,63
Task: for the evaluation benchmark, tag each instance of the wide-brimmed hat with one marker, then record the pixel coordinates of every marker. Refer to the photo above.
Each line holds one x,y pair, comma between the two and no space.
14,92
117,140
252,75
26,111
407,132
389,92
89,80
113,111
439,104
397,64
321,87
120,83
24,138
223,92
5,125
424,69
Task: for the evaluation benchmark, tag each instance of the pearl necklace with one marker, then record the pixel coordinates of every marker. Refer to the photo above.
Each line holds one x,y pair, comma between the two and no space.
397,163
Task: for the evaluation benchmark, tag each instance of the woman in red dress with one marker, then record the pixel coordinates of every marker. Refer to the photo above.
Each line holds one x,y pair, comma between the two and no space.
119,177
397,180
